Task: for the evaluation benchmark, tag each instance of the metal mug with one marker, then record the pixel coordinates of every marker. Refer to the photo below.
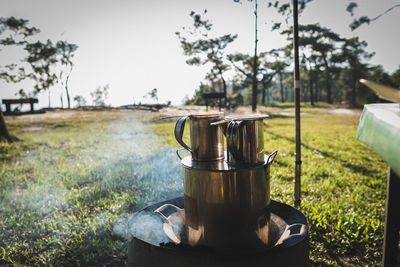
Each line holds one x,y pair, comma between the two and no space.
245,142
206,140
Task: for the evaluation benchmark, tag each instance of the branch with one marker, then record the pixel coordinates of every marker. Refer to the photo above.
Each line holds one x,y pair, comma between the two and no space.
384,13
364,19
239,69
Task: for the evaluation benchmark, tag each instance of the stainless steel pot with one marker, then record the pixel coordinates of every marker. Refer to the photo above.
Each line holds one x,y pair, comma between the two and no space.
227,207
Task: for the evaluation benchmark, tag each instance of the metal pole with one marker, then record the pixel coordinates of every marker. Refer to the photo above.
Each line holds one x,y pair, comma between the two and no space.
297,179
255,62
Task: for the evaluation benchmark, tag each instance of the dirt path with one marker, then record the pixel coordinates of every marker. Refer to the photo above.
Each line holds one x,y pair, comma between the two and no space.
59,115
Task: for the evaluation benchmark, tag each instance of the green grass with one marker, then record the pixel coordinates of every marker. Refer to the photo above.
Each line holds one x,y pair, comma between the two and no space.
65,190
343,185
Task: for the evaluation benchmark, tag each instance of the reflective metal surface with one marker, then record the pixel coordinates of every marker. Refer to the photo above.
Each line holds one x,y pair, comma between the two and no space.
206,141
227,207
288,236
245,142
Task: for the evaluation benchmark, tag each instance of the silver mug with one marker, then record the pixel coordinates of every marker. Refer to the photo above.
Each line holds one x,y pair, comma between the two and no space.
206,140
245,141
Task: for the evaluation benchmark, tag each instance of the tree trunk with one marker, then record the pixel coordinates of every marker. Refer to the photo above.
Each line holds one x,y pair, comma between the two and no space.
353,95
48,92
265,92
281,83
328,82
328,88
66,87
311,90
223,86
263,95
68,99
4,134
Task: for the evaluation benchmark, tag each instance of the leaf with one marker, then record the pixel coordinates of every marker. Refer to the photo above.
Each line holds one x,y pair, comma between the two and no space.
358,22
276,26
350,7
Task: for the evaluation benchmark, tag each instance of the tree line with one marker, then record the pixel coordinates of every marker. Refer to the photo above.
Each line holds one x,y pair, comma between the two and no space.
46,63
331,65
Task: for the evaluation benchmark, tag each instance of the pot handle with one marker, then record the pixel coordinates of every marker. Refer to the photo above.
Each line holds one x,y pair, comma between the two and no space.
292,231
179,128
177,152
163,207
271,157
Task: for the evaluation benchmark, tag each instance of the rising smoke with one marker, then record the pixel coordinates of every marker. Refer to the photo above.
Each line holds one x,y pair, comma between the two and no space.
126,165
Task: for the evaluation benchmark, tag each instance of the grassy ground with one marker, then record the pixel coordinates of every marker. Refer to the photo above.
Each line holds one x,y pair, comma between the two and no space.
66,191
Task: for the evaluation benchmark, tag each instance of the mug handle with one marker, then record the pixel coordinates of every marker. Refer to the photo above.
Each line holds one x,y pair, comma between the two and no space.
235,132
232,137
179,128
229,139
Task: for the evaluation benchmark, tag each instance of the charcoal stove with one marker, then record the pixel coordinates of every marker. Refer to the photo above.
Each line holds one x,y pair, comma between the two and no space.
226,216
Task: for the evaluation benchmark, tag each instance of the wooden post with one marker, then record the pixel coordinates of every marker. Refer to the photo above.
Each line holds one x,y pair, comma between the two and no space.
297,179
392,220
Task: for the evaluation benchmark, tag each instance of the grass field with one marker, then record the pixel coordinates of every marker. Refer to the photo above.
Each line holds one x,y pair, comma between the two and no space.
67,190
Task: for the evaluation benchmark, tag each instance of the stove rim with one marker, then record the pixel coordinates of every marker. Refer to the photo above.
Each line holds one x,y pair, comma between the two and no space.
209,250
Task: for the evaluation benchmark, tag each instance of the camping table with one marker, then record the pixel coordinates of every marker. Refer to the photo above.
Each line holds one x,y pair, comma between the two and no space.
379,128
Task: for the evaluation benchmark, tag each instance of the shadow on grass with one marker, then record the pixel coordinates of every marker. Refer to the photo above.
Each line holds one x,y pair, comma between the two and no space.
303,105
354,168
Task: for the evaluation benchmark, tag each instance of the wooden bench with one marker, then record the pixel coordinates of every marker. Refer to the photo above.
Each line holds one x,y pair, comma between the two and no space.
218,95
8,103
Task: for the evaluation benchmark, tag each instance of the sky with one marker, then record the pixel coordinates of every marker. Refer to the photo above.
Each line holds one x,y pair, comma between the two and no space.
131,45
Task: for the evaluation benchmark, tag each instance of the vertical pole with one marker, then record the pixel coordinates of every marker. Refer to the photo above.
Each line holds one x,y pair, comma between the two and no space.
392,220
255,62
297,181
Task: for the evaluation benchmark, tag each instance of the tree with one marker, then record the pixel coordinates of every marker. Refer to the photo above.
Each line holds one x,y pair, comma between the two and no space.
100,95
255,64
244,65
395,77
197,97
323,44
67,52
152,94
267,75
202,49
353,51
18,31
80,101
43,57
278,66
357,22
283,7
312,68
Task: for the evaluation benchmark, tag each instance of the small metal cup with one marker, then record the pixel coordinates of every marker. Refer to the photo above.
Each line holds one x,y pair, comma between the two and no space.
206,140
245,141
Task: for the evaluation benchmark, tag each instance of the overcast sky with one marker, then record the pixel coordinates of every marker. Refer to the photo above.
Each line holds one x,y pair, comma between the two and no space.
131,45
